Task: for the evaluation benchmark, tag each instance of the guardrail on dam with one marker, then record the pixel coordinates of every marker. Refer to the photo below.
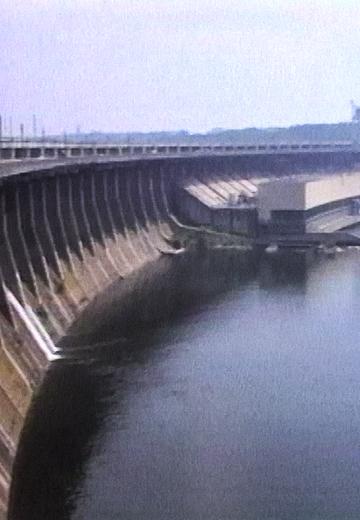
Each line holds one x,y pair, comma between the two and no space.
36,150
71,226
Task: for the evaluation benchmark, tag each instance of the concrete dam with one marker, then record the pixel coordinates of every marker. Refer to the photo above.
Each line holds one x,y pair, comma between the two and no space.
73,224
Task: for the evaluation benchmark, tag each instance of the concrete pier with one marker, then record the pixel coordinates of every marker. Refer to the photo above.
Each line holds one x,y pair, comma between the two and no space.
65,236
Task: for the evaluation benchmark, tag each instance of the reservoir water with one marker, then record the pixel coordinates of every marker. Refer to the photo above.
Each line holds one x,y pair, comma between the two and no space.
236,396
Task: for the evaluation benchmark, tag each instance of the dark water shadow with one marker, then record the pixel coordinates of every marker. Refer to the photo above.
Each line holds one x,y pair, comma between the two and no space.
128,322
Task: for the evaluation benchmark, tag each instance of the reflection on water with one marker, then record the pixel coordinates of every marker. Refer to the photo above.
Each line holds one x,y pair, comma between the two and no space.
232,393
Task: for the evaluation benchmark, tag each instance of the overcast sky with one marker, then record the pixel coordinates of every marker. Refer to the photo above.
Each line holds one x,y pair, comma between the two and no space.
126,65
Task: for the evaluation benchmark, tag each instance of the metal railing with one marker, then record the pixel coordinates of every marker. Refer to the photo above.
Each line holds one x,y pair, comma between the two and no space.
16,150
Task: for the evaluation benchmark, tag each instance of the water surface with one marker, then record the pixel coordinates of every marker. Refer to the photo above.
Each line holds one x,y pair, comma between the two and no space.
241,402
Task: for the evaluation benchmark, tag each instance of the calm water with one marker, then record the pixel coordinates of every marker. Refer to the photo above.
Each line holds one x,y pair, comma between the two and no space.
242,402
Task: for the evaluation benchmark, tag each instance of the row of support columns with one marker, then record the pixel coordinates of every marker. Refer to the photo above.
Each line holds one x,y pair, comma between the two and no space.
64,239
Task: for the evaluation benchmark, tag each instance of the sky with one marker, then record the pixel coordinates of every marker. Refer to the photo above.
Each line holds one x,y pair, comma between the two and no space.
148,65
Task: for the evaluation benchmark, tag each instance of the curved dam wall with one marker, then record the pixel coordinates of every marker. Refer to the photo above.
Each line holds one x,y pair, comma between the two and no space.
70,231
66,234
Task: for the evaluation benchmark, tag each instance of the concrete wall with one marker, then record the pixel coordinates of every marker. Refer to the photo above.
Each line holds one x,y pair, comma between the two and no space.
280,195
299,195
232,220
328,190
228,220
65,236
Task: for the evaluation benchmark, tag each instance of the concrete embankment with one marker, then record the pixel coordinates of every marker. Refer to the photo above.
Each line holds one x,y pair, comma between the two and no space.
65,237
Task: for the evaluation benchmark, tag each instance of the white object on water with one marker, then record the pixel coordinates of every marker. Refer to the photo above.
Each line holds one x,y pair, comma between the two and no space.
272,248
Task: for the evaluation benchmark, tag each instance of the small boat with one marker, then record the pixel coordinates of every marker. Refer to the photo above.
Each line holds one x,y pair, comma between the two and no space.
271,249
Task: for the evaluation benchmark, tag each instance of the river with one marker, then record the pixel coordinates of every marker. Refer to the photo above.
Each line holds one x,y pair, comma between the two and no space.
241,401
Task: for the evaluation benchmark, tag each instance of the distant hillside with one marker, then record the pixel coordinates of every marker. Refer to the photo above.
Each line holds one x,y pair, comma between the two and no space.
322,132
